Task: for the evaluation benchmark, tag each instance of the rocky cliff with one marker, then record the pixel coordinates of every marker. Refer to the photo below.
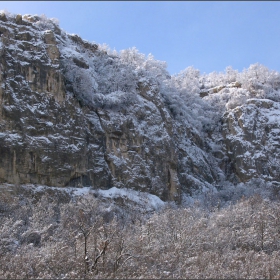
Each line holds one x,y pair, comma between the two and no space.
73,114
48,137
251,134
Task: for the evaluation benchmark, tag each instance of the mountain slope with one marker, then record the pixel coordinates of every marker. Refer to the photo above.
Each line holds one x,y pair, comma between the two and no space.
75,114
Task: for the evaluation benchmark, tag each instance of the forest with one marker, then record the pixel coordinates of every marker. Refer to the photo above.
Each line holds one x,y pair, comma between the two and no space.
53,236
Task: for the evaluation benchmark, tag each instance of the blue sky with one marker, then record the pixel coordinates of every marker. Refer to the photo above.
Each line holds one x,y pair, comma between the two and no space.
208,35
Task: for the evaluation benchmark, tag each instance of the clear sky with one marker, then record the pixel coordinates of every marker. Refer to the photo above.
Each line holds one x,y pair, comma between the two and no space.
208,35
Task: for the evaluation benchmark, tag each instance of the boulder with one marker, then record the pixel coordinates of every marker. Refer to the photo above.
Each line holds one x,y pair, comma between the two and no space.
3,17
33,237
18,19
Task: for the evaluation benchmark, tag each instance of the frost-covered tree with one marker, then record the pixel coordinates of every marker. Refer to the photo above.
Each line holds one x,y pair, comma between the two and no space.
188,81
239,240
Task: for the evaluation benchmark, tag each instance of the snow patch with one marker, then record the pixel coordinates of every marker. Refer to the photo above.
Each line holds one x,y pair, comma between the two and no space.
149,201
142,198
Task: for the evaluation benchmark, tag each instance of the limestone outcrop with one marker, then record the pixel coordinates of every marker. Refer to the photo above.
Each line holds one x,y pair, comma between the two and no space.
47,137
251,134
72,115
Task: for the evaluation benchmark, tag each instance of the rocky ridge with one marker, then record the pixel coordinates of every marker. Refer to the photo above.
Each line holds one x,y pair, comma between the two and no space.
73,115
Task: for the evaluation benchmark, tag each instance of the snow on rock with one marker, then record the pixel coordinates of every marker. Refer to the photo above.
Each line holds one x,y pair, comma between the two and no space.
251,134
144,199
76,114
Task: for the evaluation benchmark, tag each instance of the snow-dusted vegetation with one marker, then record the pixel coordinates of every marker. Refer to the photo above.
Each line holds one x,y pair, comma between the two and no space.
52,236
196,100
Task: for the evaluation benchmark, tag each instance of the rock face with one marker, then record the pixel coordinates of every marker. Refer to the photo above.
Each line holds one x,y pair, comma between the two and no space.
251,134
47,137
65,120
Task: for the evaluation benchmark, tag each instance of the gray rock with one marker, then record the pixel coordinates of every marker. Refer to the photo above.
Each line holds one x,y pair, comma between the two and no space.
31,238
65,122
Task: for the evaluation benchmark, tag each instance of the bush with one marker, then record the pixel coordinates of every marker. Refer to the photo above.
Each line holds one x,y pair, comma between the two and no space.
238,241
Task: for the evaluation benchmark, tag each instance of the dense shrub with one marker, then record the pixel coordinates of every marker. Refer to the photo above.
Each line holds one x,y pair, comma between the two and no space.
82,239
